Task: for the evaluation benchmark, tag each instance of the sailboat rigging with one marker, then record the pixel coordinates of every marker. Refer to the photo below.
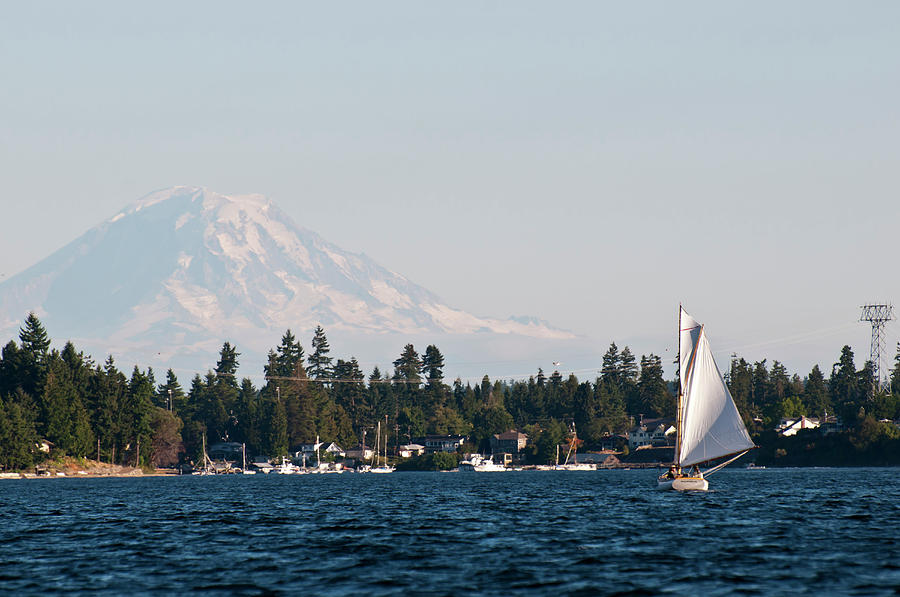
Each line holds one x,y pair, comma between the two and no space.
708,424
385,467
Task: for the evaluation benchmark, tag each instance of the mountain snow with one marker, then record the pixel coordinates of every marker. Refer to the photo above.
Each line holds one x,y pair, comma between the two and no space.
185,268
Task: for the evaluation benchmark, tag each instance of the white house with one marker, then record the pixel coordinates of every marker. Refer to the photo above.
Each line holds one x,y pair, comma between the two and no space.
788,427
651,432
410,450
335,449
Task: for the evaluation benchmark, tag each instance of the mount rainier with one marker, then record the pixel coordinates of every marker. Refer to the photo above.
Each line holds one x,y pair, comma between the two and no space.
184,269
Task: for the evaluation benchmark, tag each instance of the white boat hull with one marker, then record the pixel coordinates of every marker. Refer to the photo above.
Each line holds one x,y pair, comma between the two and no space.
581,466
684,484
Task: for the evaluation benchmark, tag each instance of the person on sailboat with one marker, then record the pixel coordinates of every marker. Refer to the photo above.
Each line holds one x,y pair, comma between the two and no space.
671,473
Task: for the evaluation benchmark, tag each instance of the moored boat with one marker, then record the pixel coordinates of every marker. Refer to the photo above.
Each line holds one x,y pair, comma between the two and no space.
476,463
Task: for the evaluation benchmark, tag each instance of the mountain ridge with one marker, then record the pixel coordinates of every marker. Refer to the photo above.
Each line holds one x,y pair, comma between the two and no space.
180,267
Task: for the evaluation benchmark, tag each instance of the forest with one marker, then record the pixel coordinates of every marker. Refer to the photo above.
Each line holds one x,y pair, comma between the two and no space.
64,401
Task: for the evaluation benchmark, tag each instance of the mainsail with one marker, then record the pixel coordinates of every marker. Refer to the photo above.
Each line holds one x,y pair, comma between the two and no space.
710,424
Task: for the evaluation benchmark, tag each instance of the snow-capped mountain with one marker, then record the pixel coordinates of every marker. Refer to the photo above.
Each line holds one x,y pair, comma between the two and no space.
185,268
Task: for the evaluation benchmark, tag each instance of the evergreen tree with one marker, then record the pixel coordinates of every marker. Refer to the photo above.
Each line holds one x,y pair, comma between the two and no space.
815,393
273,428
35,346
319,361
433,365
108,388
227,365
759,386
137,420
844,386
610,371
18,436
288,354
740,382
247,413
866,383
350,391
654,400
170,395
11,365
408,366
34,338
895,373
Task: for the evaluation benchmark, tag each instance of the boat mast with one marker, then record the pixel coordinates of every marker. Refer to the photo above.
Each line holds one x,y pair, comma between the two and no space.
678,416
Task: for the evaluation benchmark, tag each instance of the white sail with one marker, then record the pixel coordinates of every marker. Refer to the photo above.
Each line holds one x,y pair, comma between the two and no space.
711,426
689,333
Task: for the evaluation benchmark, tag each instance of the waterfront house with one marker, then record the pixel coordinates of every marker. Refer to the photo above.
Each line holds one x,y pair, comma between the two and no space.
442,443
510,442
334,450
613,443
410,450
790,426
652,432
226,451
360,454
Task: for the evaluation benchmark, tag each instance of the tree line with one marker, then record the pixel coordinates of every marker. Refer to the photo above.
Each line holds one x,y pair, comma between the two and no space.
88,409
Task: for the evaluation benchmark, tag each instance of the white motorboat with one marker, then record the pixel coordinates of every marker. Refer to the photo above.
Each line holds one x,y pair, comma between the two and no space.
478,464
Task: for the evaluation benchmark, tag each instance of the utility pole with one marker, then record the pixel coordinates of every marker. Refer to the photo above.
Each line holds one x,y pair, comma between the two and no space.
878,315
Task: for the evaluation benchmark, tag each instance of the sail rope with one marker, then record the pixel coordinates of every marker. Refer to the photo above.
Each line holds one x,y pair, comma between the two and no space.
718,467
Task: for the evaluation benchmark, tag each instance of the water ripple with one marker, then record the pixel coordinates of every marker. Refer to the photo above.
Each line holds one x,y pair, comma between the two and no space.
606,532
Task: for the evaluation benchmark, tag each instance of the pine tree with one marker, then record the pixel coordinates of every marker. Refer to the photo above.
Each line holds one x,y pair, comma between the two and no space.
247,412
349,392
844,386
17,446
284,360
433,365
34,338
654,396
815,393
319,361
227,365
138,409
10,368
108,389
610,371
170,395
740,383
35,346
408,366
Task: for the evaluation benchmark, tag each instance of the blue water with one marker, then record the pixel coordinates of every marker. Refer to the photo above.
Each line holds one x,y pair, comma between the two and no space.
769,531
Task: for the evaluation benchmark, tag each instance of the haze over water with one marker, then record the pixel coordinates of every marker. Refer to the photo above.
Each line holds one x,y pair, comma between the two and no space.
773,531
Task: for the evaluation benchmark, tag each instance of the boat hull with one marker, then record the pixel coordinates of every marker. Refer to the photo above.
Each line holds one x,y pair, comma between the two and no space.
684,484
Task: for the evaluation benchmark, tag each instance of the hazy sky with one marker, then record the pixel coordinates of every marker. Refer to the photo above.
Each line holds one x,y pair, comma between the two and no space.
589,163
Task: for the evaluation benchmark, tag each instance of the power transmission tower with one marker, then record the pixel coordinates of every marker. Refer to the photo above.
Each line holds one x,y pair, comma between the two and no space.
878,315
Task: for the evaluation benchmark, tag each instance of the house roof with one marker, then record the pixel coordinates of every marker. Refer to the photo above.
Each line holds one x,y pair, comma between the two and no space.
512,434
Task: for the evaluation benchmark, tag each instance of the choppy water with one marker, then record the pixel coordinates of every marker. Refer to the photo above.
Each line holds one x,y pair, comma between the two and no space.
767,531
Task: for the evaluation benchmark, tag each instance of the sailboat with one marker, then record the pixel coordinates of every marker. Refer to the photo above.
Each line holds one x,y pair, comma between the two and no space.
708,424
244,461
208,467
384,468
572,453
